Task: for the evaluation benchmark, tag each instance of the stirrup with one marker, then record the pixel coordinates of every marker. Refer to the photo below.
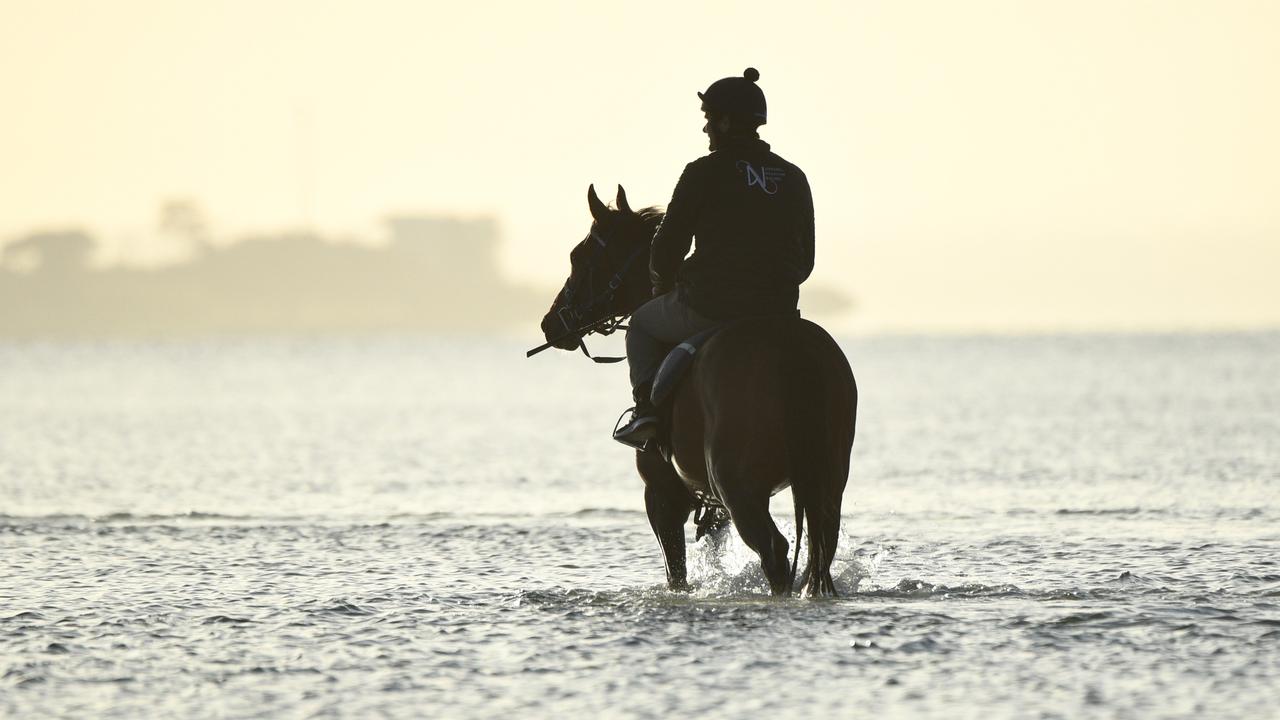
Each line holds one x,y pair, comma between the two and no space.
639,431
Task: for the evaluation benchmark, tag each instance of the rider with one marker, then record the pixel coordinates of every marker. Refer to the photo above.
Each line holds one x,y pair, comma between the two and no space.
752,213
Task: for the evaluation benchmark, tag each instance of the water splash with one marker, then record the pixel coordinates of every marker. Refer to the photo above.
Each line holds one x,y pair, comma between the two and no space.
722,565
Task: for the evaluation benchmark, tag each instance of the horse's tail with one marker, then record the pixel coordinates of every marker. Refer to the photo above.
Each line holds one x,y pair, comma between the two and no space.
821,402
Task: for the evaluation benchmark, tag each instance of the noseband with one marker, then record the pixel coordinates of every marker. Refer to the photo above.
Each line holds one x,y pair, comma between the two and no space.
595,311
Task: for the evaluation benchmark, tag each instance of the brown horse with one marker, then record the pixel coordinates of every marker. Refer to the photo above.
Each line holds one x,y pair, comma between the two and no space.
768,403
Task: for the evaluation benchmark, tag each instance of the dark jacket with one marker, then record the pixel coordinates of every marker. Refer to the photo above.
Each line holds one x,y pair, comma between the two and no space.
752,213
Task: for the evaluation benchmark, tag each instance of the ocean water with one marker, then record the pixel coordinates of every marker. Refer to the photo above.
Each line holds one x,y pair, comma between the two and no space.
1076,527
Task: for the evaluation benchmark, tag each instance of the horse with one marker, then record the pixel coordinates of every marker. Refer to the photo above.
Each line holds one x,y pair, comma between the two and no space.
769,402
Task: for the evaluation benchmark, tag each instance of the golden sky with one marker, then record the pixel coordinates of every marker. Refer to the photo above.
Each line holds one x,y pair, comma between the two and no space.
976,165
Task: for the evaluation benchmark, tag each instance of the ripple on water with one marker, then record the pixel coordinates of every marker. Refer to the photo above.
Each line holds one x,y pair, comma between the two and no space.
431,609
1058,527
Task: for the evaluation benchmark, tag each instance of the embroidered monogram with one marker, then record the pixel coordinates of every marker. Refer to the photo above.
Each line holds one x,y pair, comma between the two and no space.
766,178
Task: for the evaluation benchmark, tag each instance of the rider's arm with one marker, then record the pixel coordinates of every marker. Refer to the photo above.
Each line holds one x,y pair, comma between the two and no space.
806,230
674,236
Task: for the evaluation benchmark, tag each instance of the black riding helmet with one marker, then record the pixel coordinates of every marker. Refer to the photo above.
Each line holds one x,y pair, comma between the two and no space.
737,96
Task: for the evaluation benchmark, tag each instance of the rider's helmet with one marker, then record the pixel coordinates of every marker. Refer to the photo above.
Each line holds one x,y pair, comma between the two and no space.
737,96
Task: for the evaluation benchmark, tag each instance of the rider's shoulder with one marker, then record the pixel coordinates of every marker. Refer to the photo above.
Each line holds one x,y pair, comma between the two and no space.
791,169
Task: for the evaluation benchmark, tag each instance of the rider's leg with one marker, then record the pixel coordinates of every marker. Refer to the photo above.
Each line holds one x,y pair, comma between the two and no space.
644,352
657,325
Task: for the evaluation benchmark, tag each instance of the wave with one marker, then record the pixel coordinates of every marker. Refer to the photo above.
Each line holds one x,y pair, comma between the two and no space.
126,518
919,589
748,588
603,513
197,517
1246,513
1112,511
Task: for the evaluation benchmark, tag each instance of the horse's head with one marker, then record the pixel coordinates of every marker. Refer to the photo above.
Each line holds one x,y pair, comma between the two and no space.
608,270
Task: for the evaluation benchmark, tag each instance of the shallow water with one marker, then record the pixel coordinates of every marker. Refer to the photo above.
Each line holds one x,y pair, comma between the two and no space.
1034,527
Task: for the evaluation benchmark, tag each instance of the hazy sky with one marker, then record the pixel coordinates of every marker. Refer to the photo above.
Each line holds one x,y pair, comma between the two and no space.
975,165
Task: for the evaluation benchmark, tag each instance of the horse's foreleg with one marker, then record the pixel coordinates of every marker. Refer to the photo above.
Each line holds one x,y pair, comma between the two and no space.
668,504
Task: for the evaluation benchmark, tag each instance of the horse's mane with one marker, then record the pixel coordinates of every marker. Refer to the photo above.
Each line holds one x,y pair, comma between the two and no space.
651,217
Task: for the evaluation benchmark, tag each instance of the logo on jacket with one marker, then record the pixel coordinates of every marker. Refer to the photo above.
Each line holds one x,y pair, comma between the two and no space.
765,178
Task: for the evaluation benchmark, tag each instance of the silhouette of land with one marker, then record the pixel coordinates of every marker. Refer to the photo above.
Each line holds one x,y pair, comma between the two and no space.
434,273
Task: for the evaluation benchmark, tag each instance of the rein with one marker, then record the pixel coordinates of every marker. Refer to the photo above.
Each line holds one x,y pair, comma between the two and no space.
571,315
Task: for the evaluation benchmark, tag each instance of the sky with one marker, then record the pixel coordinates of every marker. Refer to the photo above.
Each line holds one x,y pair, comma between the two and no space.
976,166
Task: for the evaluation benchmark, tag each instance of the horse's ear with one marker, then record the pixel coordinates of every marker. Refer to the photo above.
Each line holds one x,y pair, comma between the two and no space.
623,205
598,209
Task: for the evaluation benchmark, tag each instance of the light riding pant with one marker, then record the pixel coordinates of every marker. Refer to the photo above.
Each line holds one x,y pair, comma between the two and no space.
655,328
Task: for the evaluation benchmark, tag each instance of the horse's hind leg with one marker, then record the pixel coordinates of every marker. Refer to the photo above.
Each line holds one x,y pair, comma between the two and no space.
750,514
824,534
824,529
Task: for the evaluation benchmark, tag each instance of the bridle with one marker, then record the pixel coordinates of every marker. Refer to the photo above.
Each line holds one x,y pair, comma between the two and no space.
595,302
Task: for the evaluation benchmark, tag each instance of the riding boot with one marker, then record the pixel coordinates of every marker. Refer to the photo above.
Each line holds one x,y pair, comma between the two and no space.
643,425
